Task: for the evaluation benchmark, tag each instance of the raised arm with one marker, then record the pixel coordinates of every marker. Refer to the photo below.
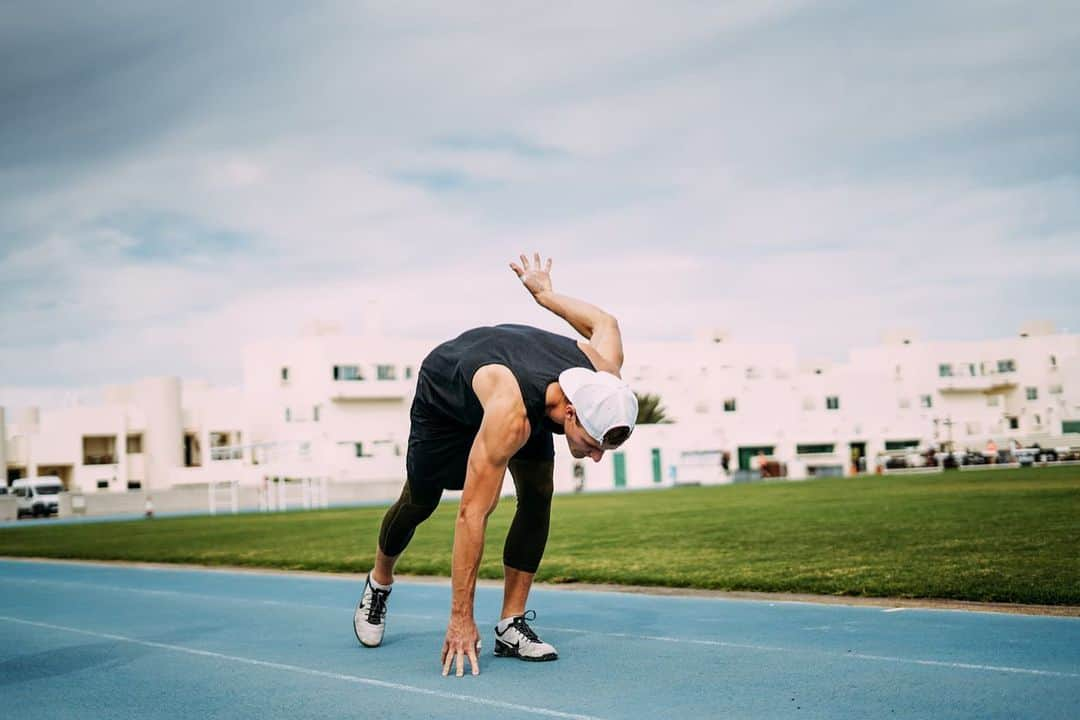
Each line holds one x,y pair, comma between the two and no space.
503,432
598,327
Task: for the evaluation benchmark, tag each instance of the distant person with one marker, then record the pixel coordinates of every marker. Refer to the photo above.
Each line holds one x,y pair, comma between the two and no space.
991,451
763,464
486,401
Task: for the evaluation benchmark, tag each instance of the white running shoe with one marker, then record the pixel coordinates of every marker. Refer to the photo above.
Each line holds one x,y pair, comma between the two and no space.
519,640
369,619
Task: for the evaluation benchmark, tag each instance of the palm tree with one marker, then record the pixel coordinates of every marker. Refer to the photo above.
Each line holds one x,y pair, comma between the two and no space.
650,411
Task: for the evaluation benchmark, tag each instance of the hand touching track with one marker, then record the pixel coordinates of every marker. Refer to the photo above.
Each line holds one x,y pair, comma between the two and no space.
461,640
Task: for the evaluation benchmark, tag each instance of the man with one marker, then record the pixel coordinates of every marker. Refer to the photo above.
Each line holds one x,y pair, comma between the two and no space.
487,401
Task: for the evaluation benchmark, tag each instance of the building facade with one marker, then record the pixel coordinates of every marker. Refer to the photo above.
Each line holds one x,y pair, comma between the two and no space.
334,406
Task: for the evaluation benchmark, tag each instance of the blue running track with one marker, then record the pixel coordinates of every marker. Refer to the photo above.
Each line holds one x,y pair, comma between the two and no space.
95,641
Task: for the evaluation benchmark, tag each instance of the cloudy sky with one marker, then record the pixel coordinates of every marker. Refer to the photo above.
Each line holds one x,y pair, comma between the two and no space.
175,181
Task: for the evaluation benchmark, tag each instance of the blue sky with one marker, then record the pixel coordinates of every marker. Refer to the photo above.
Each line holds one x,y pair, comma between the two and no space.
178,180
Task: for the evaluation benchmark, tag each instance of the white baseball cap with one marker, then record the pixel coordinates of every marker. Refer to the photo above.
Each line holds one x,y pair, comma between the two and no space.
602,400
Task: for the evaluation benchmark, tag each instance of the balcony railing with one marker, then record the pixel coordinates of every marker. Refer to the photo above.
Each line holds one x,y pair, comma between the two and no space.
371,390
976,383
227,453
108,459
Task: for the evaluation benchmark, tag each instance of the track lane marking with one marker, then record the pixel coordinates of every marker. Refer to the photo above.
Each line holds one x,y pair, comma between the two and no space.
308,671
858,656
578,631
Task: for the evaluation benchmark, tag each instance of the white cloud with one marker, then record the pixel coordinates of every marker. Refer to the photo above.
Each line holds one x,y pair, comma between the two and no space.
782,170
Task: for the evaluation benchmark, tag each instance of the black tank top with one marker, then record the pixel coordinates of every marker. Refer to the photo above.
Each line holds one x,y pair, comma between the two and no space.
536,358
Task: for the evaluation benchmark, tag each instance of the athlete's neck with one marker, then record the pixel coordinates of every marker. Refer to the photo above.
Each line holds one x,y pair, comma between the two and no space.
555,404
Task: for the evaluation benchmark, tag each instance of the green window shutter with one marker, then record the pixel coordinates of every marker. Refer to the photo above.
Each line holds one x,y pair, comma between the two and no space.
657,472
746,453
1070,426
620,469
815,449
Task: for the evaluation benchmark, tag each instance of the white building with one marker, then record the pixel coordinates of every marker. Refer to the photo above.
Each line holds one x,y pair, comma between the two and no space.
818,417
335,406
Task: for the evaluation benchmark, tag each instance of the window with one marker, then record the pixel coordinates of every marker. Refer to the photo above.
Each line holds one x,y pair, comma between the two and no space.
192,450
832,402
386,372
288,415
102,484
284,374
1053,362
815,449
1038,420
944,370
926,401
905,403
134,485
808,404
1032,393
971,369
901,444
973,428
701,408
1006,366
993,400
1055,389
99,450
134,444
315,413
359,448
729,405
408,372
1070,426
348,372
1014,423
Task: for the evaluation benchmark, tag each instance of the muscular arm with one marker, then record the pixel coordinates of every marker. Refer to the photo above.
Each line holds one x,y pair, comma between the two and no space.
503,431
600,328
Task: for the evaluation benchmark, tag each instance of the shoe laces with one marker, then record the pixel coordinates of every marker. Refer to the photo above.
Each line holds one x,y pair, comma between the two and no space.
377,608
522,626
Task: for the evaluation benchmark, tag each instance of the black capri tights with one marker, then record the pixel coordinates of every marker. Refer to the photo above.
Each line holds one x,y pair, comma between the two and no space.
534,482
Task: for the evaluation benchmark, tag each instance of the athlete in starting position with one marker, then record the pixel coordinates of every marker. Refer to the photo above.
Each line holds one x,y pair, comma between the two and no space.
486,401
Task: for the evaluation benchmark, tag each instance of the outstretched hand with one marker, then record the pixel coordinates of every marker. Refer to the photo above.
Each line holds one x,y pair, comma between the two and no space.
536,276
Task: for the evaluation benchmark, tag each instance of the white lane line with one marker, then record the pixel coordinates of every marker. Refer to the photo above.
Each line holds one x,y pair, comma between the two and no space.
310,671
199,596
965,666
858,656
624,636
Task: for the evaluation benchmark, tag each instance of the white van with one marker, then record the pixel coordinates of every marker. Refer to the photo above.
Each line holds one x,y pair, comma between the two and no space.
37,495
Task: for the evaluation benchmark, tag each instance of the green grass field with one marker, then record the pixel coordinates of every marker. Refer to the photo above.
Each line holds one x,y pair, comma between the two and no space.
1008,536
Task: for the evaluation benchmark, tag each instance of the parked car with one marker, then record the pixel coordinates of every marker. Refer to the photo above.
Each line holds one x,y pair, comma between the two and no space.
974,458
37,495
1026,456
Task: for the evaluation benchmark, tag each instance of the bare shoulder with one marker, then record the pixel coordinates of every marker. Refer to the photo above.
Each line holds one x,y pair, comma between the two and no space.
496,385
600,362
505,427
